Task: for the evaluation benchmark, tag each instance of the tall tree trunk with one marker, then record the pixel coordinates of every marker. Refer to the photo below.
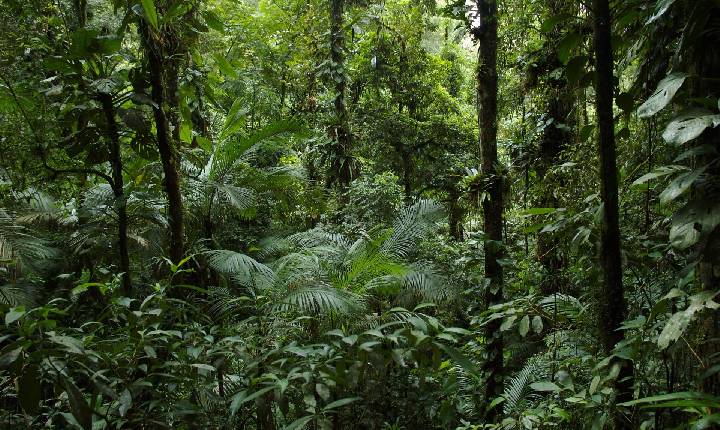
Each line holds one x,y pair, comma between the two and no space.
706,63
611,300
80,12
118,188
487,88
168,153
341,168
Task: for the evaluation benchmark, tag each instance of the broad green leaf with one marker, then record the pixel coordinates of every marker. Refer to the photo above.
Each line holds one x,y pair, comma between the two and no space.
567,45
186,132
679,321
70,343
9,358
458,330
707,400
242,397
495,402
340,403
150,13
213,21
689,125
544,386
594,384
537,324
14,314
78,406
323,391
680,185
125,402
658,173
700,215
300,423
508,322
683,236
459,358
538,211
225,67
696,151
664,93
524,326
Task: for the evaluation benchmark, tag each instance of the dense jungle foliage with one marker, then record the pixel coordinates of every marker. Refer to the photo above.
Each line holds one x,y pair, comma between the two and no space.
359,214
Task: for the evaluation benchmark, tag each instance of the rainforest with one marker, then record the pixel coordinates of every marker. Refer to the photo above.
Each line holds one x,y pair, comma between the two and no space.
360,214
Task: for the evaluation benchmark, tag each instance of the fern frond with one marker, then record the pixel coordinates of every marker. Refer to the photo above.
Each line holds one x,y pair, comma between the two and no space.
518,393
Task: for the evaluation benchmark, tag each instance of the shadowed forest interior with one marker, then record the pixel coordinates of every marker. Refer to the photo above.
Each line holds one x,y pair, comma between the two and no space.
359,214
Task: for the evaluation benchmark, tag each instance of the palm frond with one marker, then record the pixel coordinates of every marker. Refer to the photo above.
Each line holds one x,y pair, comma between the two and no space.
17,295
413,223
241,268
43,209
426,286
223,304
229,152
273,246
317,237
320,300
20,247
240,198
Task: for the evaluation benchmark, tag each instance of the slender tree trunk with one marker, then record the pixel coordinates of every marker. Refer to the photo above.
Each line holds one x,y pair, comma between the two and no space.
611,300
168,153
341,168
456,215
118,188
487,88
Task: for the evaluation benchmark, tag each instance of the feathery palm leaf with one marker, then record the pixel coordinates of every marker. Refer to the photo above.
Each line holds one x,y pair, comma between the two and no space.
243,269
321,300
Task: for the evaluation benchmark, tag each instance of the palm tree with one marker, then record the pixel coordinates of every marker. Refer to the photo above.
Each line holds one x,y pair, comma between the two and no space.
323,273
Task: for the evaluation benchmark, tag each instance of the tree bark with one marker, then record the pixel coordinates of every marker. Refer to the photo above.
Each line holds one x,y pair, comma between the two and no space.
611,300
487,88
168,153
341,166
118,188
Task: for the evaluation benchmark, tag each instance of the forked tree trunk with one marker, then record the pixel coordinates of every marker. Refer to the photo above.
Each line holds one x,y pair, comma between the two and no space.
611,300
487,88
